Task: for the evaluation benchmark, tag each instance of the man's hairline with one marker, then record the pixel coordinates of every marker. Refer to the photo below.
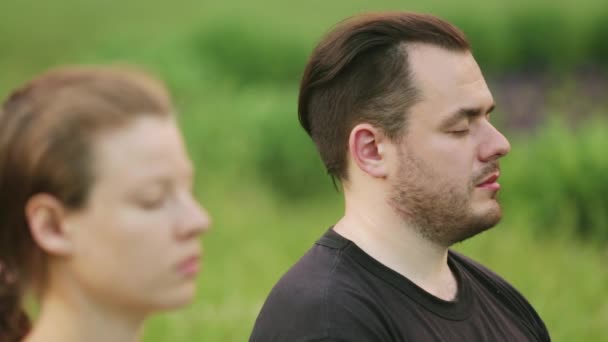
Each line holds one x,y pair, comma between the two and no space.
403,48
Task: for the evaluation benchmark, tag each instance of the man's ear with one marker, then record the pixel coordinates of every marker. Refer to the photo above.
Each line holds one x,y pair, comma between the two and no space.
366,145
45,216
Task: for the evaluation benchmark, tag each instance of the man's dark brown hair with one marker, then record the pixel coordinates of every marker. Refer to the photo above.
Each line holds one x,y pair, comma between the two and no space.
359,73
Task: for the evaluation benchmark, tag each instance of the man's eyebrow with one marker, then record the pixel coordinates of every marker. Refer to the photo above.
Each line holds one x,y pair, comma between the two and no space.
465,113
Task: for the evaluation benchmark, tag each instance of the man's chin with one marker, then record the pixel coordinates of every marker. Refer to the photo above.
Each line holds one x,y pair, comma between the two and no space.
486,209
471,231
488,217
478,223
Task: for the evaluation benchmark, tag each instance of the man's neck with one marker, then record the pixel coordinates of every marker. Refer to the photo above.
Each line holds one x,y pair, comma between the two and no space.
75,319
382,234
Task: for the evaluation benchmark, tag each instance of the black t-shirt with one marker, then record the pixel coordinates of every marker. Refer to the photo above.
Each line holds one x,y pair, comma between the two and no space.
336,292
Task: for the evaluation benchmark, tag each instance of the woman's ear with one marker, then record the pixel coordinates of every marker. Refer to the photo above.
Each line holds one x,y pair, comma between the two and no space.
366,148
45,216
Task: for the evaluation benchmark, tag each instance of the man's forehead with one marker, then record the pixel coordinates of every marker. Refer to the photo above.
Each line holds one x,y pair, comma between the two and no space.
448,82
440,69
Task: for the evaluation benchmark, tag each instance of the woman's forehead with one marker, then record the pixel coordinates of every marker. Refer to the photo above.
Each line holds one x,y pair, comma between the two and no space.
146,147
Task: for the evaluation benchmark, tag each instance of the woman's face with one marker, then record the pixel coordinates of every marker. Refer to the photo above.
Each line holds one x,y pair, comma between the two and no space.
136,243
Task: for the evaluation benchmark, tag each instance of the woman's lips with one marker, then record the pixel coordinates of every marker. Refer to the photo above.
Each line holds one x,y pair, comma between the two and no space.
190,266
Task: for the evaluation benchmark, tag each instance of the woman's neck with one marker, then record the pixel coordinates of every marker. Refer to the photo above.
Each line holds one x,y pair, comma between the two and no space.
73,318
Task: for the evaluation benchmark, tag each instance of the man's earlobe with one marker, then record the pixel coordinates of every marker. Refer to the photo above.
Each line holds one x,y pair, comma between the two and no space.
45,217
367,151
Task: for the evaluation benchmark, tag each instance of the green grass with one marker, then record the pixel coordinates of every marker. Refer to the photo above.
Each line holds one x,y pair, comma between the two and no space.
233,68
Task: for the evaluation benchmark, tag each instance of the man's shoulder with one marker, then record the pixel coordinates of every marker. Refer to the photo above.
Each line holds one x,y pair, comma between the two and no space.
296,305
476,268
317,299
482,274
505,293
307,281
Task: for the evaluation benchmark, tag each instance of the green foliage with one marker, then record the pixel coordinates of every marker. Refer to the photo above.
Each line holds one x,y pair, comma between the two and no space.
598,41
528,38
558,179
287,160
490,39
540,38
252,54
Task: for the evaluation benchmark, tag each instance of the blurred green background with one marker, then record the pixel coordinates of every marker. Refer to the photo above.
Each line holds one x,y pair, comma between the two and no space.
234,67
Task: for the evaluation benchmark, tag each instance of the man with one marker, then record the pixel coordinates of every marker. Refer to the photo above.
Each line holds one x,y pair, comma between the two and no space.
399,111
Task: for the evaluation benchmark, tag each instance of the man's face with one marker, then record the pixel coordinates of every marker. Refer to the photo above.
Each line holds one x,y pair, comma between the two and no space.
445,178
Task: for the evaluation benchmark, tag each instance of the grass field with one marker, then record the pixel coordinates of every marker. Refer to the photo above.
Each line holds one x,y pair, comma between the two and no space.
233,68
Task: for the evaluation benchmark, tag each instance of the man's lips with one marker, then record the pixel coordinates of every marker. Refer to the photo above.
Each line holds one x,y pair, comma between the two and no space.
490,182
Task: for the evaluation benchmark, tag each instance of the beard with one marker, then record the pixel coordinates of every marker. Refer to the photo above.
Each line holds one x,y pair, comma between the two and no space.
440,210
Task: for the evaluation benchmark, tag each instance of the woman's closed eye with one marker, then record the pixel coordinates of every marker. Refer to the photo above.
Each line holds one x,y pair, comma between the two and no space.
460,131
153,198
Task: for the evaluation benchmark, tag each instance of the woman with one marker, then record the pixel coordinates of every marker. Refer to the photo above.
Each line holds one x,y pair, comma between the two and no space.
97,218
